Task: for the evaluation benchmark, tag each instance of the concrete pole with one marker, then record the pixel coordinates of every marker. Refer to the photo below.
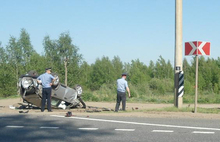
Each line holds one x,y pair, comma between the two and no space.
178,101
196,87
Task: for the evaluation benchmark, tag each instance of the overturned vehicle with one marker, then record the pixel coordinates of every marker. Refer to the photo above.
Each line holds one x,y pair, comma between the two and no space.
62,96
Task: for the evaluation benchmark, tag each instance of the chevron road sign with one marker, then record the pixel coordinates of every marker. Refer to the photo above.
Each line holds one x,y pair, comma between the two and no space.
197,48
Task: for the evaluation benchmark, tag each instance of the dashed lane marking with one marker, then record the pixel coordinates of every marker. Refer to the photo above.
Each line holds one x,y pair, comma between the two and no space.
49,127
163,131
14,126
128,130
138,123
88,128
202,132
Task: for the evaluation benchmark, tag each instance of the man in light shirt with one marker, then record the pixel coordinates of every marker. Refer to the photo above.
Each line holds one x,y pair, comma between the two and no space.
46,80
122,86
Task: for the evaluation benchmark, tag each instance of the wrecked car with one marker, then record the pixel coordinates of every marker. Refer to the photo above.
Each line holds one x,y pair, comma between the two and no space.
62,96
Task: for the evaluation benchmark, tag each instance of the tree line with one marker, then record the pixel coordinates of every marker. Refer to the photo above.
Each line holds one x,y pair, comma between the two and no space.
147,82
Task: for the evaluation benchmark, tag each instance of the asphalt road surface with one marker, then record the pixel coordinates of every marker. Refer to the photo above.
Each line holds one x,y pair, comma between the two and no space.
57,128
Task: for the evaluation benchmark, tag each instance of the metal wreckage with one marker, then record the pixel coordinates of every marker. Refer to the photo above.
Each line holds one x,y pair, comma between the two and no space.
62,96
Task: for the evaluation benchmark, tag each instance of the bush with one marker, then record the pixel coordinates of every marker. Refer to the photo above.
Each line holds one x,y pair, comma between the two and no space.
95,99
188,87
87,96
144,89
161,86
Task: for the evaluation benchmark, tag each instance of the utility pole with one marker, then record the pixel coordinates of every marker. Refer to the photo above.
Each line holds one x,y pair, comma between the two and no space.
178,101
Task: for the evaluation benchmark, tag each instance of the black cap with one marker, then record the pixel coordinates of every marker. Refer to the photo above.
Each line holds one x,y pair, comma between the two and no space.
48,69
124,74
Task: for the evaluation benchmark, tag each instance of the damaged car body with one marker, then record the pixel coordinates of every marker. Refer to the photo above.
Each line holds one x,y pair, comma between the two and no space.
62,96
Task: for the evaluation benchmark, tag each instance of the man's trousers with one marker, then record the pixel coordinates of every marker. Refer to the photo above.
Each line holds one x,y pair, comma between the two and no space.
121,96
46,95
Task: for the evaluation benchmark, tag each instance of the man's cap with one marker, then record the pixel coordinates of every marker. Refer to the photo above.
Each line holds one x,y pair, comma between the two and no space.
48,69
124,74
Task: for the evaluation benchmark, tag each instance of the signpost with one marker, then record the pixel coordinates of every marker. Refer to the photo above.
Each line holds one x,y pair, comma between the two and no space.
197,48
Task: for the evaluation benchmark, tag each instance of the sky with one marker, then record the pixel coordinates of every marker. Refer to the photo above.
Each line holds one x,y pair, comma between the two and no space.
129,29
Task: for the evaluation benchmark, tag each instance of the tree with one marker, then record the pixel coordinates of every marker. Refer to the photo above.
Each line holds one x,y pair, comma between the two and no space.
60,52
50,48
2,55
84,74
138,72
205,74
7,78
118,67
69,56
37,63
102,72
25,46
151,69
163,69
14,53
187,70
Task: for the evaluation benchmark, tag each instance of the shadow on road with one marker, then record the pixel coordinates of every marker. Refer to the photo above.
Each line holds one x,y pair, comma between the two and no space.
44,128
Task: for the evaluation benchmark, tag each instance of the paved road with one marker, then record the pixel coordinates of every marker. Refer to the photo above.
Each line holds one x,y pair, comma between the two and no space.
26,127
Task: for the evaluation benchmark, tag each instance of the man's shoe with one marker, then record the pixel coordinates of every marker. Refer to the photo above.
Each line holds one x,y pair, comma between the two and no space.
50,111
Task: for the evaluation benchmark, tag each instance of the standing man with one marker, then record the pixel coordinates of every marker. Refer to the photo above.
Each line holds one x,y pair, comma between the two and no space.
122,86
46,80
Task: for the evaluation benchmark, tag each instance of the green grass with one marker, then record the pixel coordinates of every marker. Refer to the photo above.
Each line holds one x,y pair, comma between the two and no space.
10,97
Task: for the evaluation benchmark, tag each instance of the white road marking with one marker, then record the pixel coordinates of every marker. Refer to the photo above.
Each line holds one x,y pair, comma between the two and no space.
202,132
163,131
15,126
137,123
129,130
88,128
49,127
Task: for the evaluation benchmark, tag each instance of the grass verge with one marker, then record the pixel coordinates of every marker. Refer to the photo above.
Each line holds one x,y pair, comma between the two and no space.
10,97
184,109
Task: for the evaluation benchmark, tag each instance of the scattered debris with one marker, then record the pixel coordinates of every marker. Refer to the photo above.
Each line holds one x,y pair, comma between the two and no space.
24,111
106,109
98,109
62,105
89,110
68,114
92,107
11,107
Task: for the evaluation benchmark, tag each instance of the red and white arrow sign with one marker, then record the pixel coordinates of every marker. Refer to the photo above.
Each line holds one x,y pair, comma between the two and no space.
197,48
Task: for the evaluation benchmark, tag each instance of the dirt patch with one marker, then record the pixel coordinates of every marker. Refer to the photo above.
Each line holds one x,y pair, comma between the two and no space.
13,106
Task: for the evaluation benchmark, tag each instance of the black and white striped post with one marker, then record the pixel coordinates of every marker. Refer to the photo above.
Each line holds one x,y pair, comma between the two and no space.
181,84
